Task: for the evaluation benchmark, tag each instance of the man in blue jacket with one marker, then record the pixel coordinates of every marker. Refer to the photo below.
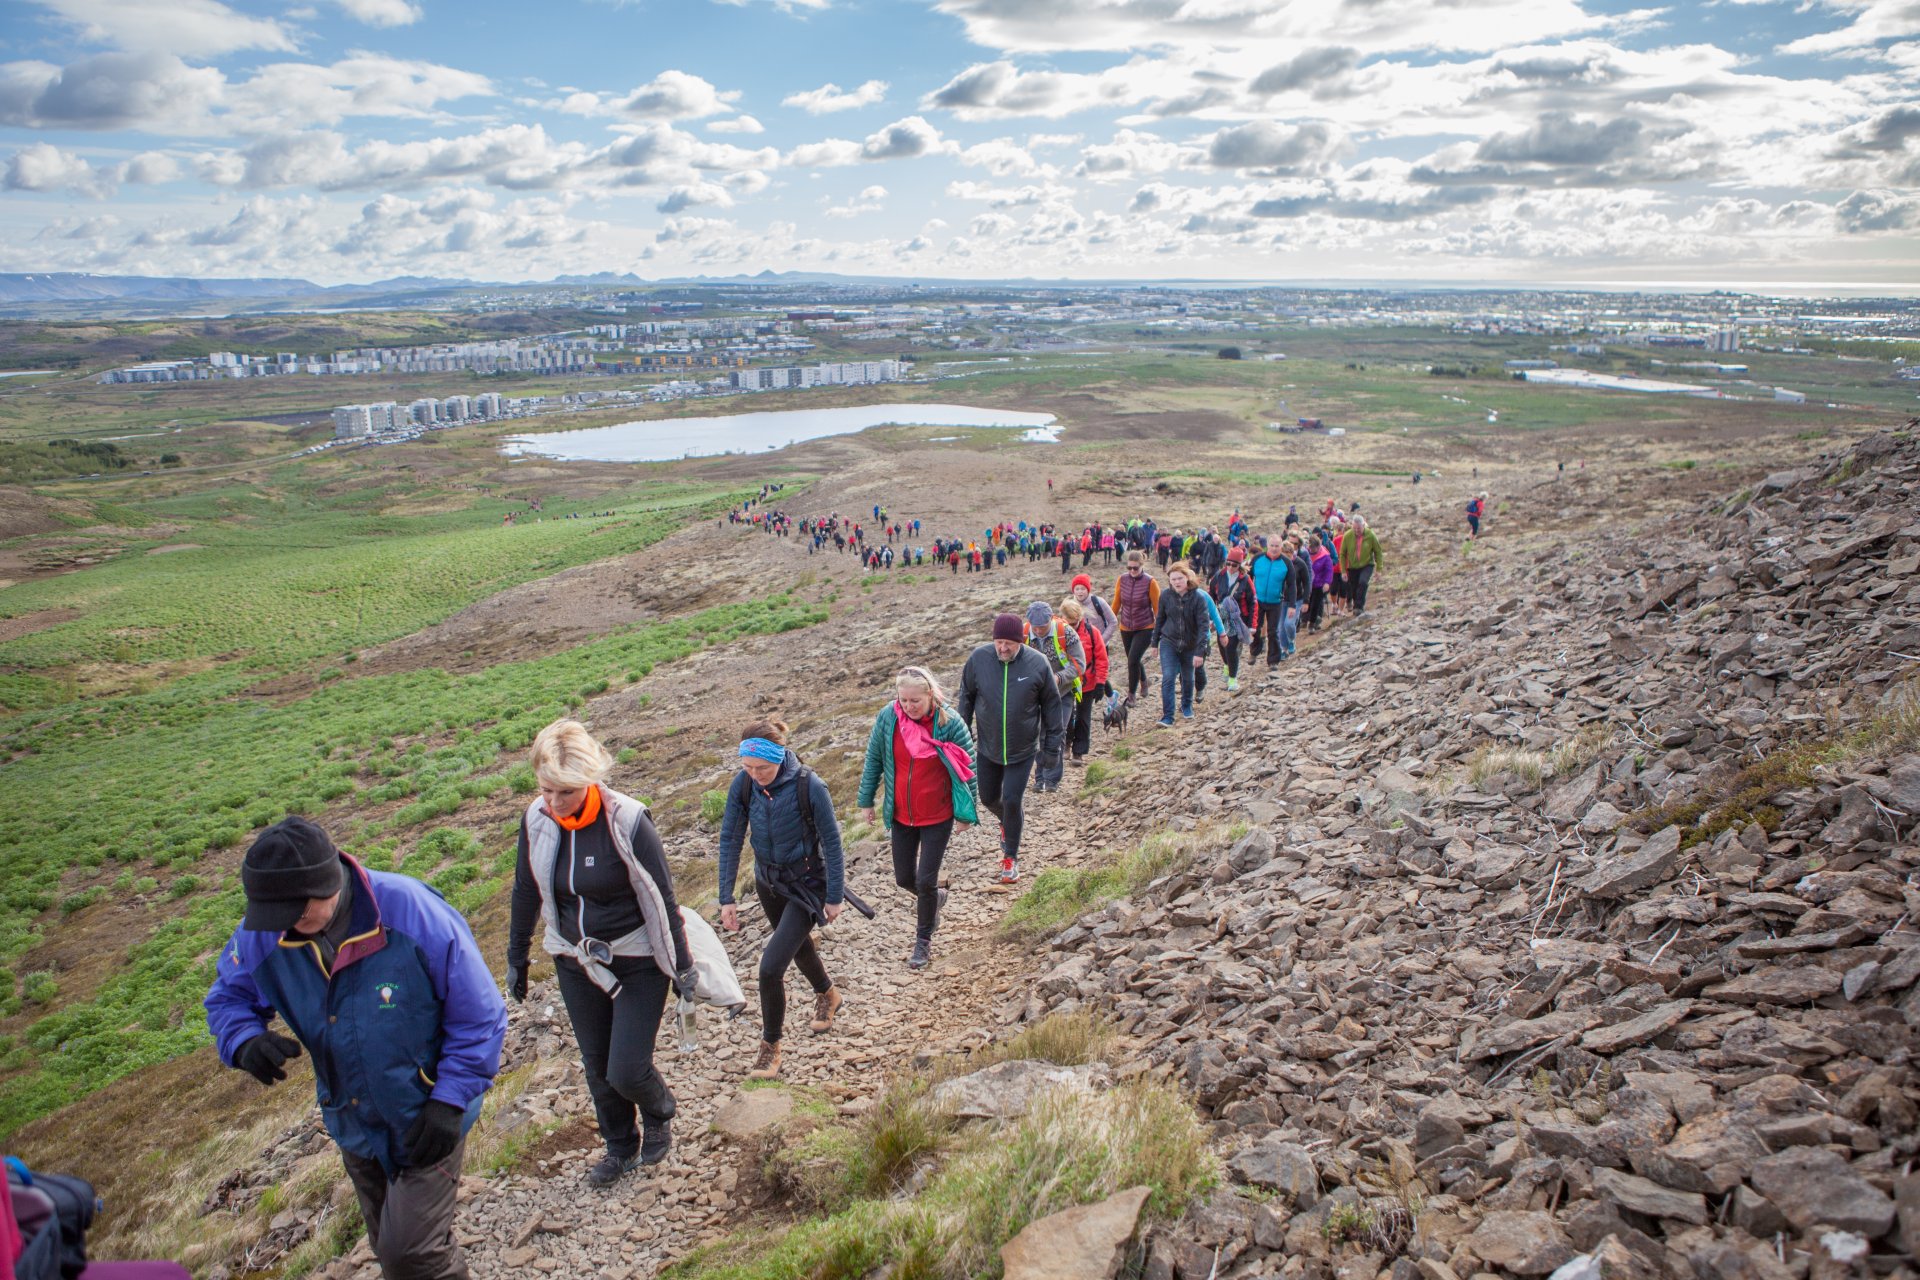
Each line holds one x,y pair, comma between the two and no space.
380,980
1269,573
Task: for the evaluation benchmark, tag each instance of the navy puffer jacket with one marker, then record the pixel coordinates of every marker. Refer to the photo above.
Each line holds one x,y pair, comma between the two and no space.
771,817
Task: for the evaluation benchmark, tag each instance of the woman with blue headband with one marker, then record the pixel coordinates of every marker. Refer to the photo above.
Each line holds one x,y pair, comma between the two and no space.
798,875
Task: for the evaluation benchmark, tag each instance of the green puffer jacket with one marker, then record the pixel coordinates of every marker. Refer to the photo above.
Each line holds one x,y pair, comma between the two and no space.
877,776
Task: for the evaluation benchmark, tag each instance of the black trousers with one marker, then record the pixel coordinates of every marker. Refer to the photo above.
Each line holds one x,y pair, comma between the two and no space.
1316,608
1137,643
616,1035
917,854
1003,789
1362,577
1232,656
1267,625
790,944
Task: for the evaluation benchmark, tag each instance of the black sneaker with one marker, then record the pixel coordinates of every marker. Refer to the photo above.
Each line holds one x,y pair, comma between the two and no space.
610,1170
656,1139
922,954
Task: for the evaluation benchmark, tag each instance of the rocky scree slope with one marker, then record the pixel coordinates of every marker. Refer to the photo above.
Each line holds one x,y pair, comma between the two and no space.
1577,933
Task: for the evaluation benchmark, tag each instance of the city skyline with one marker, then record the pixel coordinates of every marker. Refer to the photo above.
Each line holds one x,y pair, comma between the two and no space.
349,140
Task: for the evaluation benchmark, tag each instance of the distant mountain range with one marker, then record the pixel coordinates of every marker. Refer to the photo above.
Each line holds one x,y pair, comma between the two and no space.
77,286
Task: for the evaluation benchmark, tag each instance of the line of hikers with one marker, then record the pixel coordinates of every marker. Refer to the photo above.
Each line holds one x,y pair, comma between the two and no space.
380,981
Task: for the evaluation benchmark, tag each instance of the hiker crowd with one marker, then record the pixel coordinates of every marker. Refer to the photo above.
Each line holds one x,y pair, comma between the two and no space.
378,980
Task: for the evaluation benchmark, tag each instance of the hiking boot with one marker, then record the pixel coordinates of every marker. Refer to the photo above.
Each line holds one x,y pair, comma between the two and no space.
1079,762
767,1065
610,1170
825,1005
656,1139
922,954
1009,870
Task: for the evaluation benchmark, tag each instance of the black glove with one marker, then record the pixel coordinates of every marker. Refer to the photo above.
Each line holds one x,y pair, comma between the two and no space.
517,982
434,1134
684,983
265,1056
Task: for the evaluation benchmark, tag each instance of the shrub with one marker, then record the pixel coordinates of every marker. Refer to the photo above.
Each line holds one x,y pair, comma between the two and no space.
39,988
1071,1148
1061,894
713,806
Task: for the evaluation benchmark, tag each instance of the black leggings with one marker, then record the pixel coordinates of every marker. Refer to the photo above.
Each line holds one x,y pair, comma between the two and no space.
616,1035
917,854
1137,643
791,943
1316,608
1080,727
1003,790
1232,657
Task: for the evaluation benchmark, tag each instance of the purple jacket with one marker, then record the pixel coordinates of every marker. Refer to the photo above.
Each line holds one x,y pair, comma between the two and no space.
1323,570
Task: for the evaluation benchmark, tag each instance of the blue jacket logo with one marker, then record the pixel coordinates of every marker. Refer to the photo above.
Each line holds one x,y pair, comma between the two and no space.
387,991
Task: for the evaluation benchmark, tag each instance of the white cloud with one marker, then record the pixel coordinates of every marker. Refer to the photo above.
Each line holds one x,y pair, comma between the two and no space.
904,139
383,13
676,95
829,97
1870,21
202,28
1269,146
738,124
158,93
154,92
1002,157
299,94
1131,152
43,167
150,168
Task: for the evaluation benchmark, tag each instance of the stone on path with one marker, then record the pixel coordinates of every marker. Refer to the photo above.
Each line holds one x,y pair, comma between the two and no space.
752,1112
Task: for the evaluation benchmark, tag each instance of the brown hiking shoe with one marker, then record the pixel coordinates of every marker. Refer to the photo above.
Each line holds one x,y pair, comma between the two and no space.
825,1005
767,1065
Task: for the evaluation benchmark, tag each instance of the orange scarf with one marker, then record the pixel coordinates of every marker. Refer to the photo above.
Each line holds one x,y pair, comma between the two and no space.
585,818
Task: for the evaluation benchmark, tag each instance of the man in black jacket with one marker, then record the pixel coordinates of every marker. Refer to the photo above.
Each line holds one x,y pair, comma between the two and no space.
1008,696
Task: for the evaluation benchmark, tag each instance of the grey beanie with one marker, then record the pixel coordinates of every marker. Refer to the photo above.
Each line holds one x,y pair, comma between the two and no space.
1039,615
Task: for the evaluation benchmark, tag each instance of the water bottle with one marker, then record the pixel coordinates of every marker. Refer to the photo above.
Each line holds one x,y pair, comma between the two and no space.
689,1025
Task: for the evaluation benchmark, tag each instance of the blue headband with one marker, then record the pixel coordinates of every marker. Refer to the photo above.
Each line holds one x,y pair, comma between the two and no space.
761,749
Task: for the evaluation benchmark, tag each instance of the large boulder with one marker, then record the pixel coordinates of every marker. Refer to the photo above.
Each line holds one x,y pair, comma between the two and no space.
1086,1242
1007,1090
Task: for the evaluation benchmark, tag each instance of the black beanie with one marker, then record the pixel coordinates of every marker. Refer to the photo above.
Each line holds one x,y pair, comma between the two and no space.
289,864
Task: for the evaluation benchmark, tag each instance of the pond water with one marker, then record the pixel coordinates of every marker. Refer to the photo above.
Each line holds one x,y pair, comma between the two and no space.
669,438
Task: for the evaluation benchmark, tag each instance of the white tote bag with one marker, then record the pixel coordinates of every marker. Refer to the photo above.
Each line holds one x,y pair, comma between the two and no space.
714,981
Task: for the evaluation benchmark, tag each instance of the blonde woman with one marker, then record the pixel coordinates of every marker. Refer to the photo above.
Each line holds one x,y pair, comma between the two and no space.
591,869
920,764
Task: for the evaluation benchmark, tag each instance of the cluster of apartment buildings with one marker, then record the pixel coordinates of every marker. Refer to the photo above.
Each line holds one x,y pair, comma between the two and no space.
549,355
852,373
390,420
352,421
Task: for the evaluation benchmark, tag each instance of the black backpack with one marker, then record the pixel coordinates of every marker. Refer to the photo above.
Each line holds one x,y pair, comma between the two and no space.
54,1211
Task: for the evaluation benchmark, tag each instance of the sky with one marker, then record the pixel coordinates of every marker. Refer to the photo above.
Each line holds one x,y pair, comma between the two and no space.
1722,141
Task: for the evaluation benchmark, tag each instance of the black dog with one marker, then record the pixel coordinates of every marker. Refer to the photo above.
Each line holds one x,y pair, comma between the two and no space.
1114,716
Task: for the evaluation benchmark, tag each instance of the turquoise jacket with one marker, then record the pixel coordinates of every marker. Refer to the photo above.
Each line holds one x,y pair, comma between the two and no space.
877,776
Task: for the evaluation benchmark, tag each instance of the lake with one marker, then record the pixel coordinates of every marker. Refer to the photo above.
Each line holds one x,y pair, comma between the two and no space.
669,438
